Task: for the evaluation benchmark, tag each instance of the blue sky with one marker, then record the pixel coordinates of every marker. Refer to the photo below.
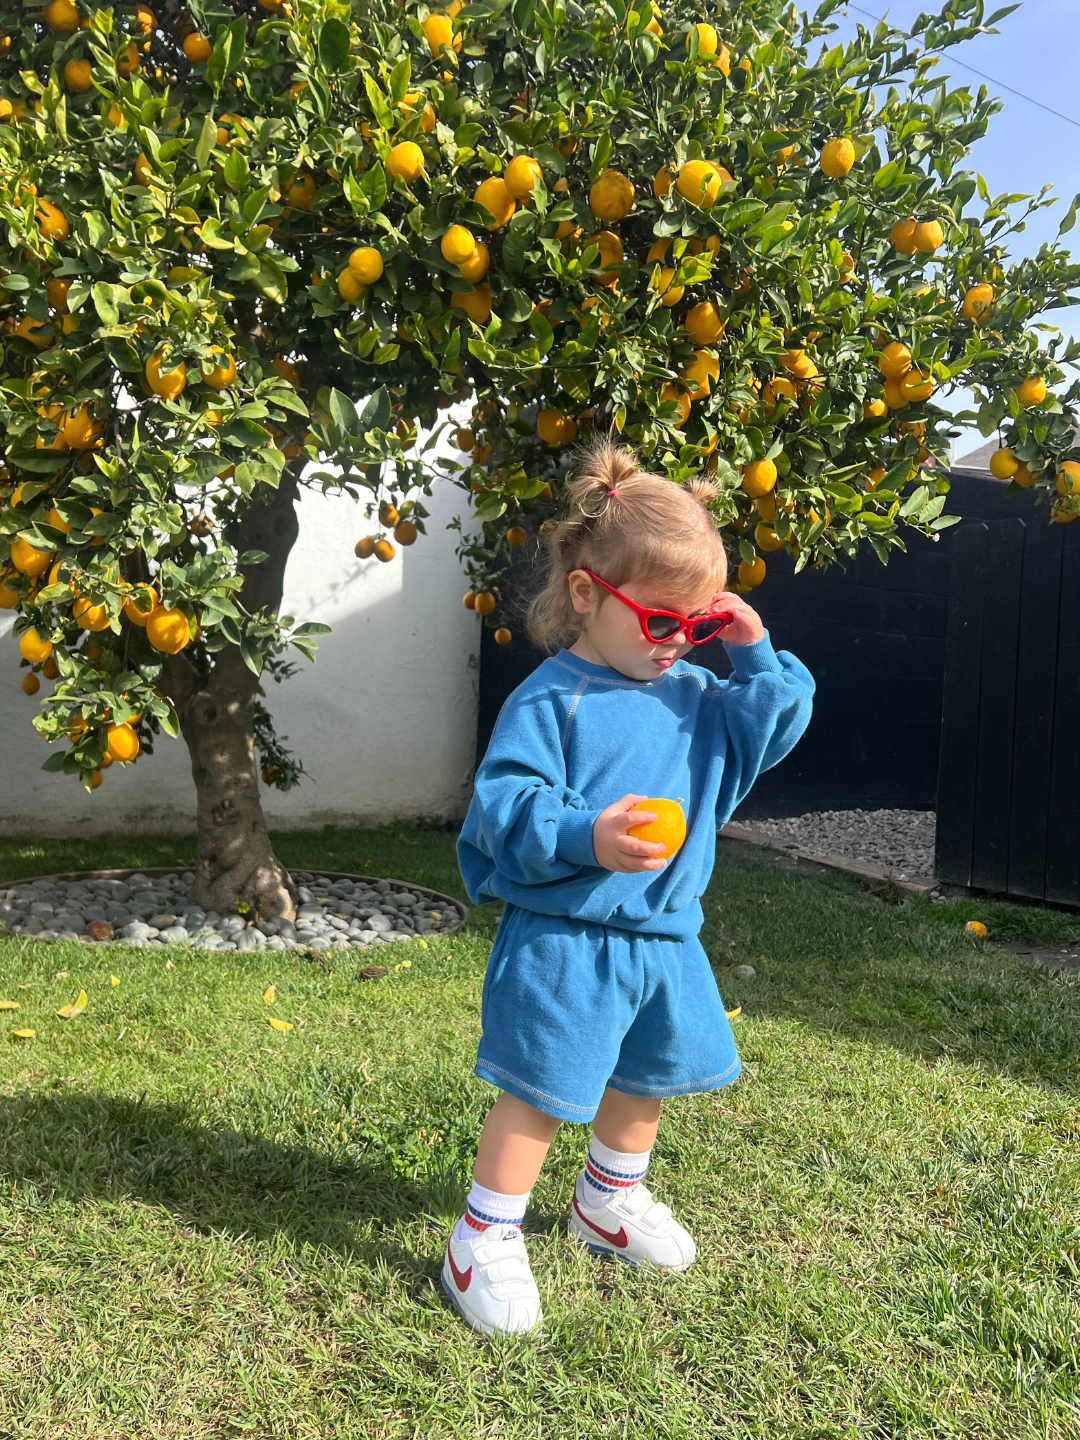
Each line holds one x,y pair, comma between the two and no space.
1038,53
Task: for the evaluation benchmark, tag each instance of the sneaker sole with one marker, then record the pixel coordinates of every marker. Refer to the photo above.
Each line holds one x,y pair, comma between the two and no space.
478,1326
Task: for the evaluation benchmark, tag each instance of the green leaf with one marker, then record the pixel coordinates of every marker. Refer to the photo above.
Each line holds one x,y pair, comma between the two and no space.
237,171
489,509
334,45
207,141
107,301
375,414
251,655
169,722
344,412
95,229
254,557
377,101
55,763
270,281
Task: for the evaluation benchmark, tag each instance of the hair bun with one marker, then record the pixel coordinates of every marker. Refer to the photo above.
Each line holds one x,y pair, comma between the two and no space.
703,490
598,470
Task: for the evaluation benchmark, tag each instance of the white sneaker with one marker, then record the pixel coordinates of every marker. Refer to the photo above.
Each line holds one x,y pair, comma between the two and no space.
489,1280
632,1227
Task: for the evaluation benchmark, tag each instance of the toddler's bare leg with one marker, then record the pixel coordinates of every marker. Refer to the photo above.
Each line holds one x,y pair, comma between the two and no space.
513,1146
627,1122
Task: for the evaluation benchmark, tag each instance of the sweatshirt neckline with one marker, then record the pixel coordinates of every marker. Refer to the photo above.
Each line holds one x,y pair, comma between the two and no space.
606,673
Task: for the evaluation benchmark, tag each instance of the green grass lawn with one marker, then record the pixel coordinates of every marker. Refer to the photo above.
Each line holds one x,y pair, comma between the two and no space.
209,1228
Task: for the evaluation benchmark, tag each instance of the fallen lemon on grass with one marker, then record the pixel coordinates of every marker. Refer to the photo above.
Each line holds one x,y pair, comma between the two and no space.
668,829
976,929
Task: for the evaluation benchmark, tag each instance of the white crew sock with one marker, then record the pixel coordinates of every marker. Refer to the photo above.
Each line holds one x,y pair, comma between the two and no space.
609,1172
485,1208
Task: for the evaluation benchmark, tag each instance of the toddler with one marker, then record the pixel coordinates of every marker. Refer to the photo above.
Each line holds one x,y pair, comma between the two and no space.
598,1000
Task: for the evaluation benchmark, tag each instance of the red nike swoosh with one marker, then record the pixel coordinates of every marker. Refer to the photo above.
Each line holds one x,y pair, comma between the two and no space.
462,1278
620,1239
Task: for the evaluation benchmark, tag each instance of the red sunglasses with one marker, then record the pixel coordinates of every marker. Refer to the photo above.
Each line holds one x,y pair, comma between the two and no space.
659,625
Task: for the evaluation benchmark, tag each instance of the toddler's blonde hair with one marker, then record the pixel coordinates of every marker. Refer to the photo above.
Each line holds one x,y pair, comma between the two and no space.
625,524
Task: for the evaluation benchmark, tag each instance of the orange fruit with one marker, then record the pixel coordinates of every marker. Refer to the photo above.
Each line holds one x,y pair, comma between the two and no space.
521,175
365,548
494,196
705,324
902,236
96,779
121,743
476,303
668,829
30,684
350,286
197,48
516,536
1025,477
127,62
978,303
168,384
52,222
976,929
439,31
874,409
168,630
405,162
751,572
699,181
707,41
502,636
77,76
78,429
143,596
895,398
61,16
1003,464
300,191
457,245
611,197
405,533
366,263
837,157
469,600
662,182
89,616
699,374
554,428
759,477
928,236
384,550
475,267
34,647
30,561
669,294
1068,478
917,386
681,399
484,603
223,373
894,361
766,538
1031,391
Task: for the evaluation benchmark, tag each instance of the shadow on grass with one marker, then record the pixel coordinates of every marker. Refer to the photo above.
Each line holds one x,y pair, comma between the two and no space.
212,1180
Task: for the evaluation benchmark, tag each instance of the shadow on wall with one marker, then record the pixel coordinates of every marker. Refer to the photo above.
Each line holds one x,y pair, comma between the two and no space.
873,637
385,724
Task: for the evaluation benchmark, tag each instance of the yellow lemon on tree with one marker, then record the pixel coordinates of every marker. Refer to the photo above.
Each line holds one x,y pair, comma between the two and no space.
456,245
476,303
34,647
918,386
142,170
475,267
895,396
978,302
300,191
439,31
61,16
57,293
705,324
759,477
1068,478
223,373
677,393
698,375
668,829
52,222
521,175
78,429
122,743
699,182
197,48
405,162
1003,464
837,157
874,409
707,41
669,294
1031,391
127,62
366,264
168,630
140,604
168,384
611,197
493,195
662,182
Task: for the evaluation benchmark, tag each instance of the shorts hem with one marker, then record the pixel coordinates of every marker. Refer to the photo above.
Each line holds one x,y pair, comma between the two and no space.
663,1092
530,1095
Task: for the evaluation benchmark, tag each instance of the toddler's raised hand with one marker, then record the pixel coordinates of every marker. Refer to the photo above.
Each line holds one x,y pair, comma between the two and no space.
614,848
745,627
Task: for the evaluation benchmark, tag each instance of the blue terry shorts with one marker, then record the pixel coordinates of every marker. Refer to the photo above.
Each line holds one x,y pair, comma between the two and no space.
571,1007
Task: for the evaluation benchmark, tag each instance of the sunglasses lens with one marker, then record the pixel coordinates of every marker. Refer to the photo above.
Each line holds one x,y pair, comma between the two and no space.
662,627
706,629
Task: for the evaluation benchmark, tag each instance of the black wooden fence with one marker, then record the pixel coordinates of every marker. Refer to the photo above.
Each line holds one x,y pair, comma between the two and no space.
1009,779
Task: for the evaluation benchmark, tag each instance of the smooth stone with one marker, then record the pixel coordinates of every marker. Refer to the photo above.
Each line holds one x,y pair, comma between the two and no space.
174,935
246,941
380,922
275,942
743,972
42,908
318,942
163,920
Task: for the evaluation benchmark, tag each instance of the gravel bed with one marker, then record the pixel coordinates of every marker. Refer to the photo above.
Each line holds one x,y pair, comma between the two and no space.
332,914
901,839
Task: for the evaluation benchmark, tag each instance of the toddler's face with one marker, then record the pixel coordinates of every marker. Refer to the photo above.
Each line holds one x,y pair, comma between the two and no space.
612,632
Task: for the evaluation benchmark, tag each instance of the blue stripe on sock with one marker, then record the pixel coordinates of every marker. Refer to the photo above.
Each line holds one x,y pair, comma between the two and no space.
494,1219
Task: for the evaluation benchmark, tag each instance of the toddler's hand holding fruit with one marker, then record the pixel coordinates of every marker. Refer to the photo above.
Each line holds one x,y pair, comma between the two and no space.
614,848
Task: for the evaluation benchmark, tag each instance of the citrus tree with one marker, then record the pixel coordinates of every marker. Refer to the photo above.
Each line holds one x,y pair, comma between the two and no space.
250,249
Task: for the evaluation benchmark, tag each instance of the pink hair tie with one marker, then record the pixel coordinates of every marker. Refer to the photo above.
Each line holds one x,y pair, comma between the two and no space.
614,490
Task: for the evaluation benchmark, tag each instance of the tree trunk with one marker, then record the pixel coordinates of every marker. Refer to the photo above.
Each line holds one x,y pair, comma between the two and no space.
234,860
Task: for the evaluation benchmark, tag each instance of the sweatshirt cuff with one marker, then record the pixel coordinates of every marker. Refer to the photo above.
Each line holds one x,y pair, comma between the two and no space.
574,839
758,658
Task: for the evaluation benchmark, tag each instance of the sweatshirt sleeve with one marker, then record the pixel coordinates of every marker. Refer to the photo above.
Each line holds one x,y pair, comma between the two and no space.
764,708
524,823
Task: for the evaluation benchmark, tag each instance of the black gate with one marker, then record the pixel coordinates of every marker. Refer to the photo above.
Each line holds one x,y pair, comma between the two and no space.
1008,815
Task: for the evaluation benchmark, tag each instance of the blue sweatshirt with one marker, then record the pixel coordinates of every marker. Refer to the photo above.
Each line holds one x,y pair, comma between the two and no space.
575,737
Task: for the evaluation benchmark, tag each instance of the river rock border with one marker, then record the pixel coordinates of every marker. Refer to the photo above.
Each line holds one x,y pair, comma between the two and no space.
141,908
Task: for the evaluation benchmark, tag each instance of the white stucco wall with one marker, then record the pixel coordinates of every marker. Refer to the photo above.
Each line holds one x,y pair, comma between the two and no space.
385,721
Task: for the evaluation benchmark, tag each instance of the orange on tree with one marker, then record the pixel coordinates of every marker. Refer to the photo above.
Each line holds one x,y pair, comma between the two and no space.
457,245
700,373
894,362
30,684
837,157
469,600
127,62
1031,391
78,76
699,182
89,616
384,550
502,636
1068,478
751,572
874,409
475,266
61,16
223,373
677,394
139,604
168,630
34,647
494,196
516,537
484,603
300,191
611,197
168,384
366,263
978,303
928,236
766,538
670,294
405,532
903,236
122,743
758,477
439,31
405,162
705,323
52,222
30,561
1026,477
663,181
555,427
197,48
350,286
476,303
365,548
521,175
707,41
1003,464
